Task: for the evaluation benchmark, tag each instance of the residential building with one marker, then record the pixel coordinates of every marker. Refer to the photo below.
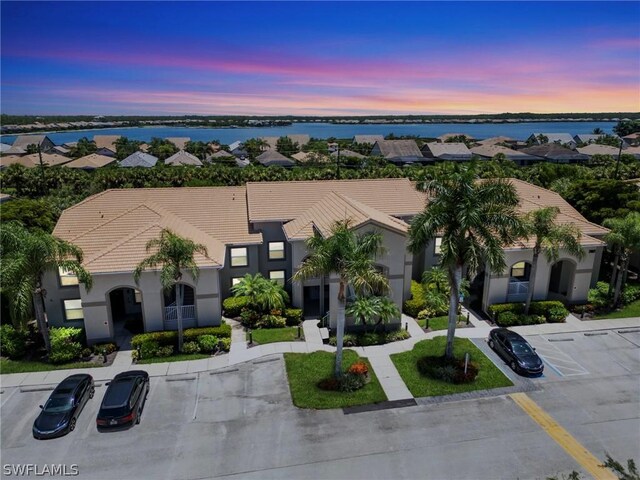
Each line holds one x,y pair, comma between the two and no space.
106,144
594,149
4,148
33,160
262,228
559,138
22,142
183,158
552,152
139,159
447,151
488,151
179,142
367,139
272,157
495,140
586,138
398,151
5,197
60,150
632,139
91,162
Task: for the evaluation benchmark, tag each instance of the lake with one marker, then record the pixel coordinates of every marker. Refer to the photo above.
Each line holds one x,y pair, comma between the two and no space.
519,131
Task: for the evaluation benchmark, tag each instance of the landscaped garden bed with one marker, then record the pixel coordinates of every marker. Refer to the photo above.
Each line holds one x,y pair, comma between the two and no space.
601,301
488,375
512,314
309,375
367,339
431,324
263,336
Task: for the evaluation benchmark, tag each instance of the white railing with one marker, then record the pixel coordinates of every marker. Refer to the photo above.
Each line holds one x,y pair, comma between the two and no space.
171,317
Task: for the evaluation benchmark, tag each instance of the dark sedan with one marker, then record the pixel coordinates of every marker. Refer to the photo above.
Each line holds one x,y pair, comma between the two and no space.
515,350
61,411
124,400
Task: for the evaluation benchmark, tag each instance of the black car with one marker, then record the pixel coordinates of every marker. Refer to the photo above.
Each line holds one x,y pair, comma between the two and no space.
61,411
521,357
124,400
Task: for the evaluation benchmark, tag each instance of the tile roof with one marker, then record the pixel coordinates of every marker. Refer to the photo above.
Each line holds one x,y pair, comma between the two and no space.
448,151
139,159
557,137
285,201
4,147
447,136
93,160
595,149
33,160
179,141
398,148
368,139
221,154
491,150
334,207
106,141
635,151
553,151
183,158
113,227
494,140
347,153
23,141
273,157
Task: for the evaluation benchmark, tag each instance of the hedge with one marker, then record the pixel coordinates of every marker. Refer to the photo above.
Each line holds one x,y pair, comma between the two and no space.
12,342
232,306
416,304
512,314
170,337
66,344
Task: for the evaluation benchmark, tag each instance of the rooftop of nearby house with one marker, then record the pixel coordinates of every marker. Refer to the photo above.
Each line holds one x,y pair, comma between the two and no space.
448,149
300,139
556,137
554,151
33,160
491,150
368,139
139,159
179,142
23,141
398,148
494,140
447,136
93,160
347,153
183,158
273,157
595,149
106,141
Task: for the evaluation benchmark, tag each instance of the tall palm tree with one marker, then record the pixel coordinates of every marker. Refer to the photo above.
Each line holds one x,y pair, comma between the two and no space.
475,220
173,254
624,239
26,257
350,256
549,239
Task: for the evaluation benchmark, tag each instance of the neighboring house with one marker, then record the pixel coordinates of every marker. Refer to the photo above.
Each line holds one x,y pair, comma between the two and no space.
301,140
139,159
494,140
106,144
552,152
183,158
5,197
347,154
447,136
4,147
237,149
594,149
316,157
33,160
272,158
22,142
586,138
632,139
91,162
635,151
70,145
60,150
367,139
219,154
179,142
447,151
561,138
491,150
262,228
235,145
398,151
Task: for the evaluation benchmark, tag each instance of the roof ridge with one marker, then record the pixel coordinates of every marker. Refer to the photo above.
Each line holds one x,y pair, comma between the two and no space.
125,212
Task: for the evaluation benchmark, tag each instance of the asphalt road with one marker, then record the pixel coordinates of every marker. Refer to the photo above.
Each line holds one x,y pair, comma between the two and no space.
242,424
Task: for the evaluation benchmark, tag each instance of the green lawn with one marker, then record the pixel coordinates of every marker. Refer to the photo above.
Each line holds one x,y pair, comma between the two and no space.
24,366
271,335
305,370
182,357
419,386
628,311
440,323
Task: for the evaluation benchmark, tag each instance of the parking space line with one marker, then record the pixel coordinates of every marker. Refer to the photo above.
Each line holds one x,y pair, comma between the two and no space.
557,360
562,437
6,398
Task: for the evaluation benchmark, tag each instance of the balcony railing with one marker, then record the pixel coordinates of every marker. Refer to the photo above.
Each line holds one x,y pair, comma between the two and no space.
171,317
517,291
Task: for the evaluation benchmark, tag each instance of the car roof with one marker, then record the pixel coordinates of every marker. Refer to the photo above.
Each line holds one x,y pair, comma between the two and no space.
131,373
71,382
118,392
512,335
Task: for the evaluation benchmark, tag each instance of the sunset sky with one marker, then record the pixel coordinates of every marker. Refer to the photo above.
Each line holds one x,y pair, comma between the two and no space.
322,58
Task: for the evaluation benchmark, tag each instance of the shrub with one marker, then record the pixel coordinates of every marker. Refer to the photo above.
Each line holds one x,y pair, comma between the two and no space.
86,352
599,296
104,348
165,337
135,355
294,316
208,343
498,308
190,347
232,306
149,349
350,382
249,318
223,330
631,293
331,384
447,370
349,340
366,339
272,321
543,307
397,336
413,306
65,344
359,368
224,344
532,319
165,351
557,314
507,319
12,342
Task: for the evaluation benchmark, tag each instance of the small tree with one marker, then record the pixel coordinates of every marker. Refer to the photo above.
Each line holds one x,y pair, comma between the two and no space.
367,309
286,146
264,294
624,240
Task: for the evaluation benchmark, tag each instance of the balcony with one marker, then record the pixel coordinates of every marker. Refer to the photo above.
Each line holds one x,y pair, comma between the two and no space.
188,317
517,291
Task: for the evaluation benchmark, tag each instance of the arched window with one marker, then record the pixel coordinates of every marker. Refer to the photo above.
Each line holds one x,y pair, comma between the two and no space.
520,271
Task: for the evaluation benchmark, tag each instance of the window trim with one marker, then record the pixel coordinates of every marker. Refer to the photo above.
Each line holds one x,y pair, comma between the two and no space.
523,277
284,251
246,256
64,310
277,280
60,276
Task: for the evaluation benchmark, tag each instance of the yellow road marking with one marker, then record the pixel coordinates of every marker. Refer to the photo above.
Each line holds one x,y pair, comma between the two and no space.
563,438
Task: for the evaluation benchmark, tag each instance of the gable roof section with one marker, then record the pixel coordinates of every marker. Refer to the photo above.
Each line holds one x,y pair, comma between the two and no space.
556,137
179,141
33,160
448,151
595,149
106,141
285,201
334,207
491,150
23,141
398,148
368,139
139,159
273,157
93,160
494,140
183,158
553,151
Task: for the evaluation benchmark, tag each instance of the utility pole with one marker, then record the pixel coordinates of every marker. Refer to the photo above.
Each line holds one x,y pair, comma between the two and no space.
618,162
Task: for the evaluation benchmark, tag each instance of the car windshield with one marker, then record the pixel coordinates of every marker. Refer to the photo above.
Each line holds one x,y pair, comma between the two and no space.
58,404
521,348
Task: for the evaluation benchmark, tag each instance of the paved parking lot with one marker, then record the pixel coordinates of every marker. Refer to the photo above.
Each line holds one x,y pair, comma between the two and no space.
241,424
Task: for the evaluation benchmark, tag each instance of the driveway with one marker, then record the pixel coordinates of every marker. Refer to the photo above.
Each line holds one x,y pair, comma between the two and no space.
241,424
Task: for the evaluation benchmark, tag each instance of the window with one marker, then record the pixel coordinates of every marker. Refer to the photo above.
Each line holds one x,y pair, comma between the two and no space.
239,257
67,278
520,270
235,280
276,250
73,309
277,276
438,245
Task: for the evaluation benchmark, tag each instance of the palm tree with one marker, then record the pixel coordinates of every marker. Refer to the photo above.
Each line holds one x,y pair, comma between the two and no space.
624,239
26,257
549,239
263,293
365,309
597,131
350,256
173,254
475,220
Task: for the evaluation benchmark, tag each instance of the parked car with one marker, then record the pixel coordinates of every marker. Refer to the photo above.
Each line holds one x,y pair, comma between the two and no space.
61,411
521,357
124,400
